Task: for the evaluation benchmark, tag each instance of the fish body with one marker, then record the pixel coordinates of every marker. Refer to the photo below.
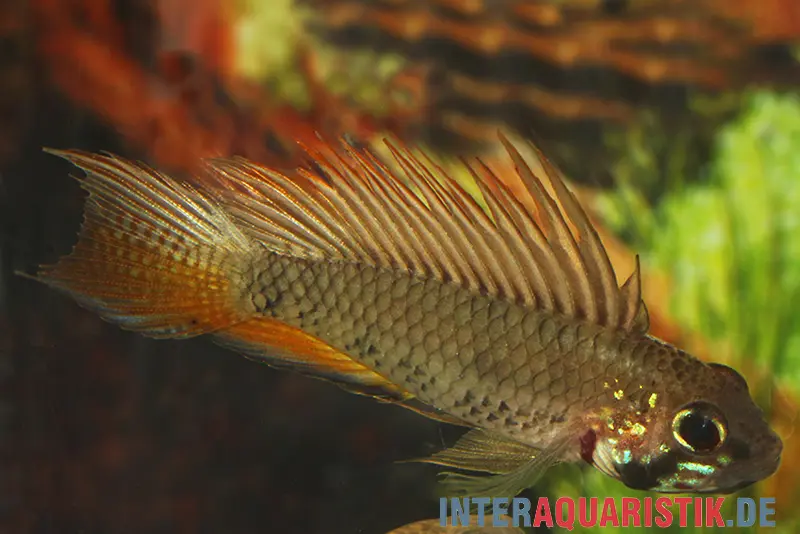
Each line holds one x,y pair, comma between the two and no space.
506,320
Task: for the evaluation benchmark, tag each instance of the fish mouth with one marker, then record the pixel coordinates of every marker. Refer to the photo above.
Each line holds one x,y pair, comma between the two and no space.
647,475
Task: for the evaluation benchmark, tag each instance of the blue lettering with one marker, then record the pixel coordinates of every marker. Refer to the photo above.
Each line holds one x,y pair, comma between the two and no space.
521,507
481,502
499,509
442,511
745,519
460,513
766,508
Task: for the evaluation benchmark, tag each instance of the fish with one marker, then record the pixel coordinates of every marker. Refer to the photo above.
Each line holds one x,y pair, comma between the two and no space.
381,273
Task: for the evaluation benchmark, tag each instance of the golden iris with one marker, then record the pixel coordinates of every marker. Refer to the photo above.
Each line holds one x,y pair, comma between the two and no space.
700,428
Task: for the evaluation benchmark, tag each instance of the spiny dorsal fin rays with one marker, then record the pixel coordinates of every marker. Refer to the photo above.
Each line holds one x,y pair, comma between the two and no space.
470,238
383,208
633,315
350,205
311,213
452,236
267,210
450,239
597,278
421,238
533,277
363,180
483,233
343,196
557,284
341,212
598,265
560,239
422,232
351,186
512,247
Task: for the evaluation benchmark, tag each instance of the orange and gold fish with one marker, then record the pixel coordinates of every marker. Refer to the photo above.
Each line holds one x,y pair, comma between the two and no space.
390,279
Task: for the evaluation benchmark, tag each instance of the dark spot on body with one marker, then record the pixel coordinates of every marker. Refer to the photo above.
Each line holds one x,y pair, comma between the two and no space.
485,402
557,418
419,371
432,381
371,349
474,411
423,387
468,397
503,407
272,302
511,421
492,417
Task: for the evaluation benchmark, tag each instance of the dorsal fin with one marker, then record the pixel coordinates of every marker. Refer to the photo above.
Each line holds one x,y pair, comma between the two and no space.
351,206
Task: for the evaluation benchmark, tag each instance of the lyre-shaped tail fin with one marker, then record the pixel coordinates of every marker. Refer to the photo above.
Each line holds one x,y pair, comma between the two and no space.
154,255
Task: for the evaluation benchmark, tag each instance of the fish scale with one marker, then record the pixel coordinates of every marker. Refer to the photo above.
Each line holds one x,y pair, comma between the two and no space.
466,354
509,320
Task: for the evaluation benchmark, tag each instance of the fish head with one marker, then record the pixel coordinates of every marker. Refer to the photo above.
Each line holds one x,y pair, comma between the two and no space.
715,441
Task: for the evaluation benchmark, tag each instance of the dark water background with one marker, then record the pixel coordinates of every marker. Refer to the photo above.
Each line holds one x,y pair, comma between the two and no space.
107,432
103,431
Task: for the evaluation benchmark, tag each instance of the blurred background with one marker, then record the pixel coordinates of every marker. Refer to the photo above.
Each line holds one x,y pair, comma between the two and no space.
677,122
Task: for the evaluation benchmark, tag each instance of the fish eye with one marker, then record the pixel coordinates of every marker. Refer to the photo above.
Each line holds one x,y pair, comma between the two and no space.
700,428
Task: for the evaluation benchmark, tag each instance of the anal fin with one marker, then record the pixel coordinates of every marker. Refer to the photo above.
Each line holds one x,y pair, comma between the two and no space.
284,346
430,412
280,345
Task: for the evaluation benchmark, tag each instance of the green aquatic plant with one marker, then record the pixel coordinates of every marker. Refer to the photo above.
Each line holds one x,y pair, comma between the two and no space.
731,246
267,36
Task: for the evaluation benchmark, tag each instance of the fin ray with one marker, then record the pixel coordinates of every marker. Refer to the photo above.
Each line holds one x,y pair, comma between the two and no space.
153,255
508,483
540,251
481,450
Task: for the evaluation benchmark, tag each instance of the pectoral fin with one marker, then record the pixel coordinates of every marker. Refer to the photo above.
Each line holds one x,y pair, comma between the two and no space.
479,450
514,465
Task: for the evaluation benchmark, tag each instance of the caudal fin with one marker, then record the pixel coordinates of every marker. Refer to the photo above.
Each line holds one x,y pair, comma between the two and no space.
154,255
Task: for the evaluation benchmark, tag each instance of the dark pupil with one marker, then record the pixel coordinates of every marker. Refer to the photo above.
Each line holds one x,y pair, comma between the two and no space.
699,432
